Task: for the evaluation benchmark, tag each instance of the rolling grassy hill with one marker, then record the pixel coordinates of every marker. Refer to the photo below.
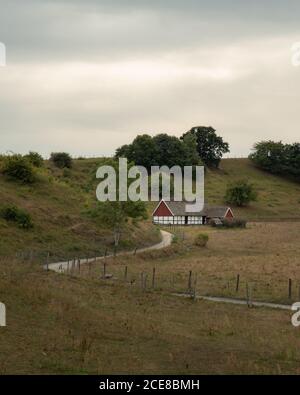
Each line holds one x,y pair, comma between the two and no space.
278,198
60,200
81,324
58,204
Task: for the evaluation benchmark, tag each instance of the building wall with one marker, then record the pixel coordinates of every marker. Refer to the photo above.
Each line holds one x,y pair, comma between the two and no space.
229,215
162,210
177,220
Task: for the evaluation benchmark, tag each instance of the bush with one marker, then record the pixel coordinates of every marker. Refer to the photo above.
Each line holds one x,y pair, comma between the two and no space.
234,223
240,193
175,239
61,159
35,159
19,168
15,214
201,240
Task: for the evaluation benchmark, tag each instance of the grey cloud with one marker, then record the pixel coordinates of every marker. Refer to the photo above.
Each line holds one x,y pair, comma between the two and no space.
44,110
91,30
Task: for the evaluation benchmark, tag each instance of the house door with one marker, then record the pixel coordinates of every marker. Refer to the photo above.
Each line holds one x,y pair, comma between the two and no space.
186,220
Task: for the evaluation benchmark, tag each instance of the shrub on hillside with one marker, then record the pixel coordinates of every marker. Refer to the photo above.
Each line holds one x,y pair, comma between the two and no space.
277,158
201,240
61,159
17,215
240,193
35,158
19,168
234,223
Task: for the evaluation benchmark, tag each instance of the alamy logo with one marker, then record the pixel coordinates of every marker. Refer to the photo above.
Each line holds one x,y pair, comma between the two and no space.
296,316
2,55
2,314
187,184
295,54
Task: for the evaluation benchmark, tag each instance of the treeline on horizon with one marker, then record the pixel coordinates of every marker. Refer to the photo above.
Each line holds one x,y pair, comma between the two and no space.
277,158
199,146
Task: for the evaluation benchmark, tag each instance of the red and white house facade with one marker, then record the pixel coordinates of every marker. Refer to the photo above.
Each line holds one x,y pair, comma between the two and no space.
174,213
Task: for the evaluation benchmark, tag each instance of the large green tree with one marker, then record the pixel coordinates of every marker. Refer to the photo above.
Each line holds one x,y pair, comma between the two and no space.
160,150
277,157
210,146
142,151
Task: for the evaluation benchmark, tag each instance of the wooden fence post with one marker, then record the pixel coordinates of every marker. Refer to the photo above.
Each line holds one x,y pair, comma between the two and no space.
145,281
237,283
153,277
135,250
47,262
68,266
190,282
290,288
78,265
125,273
104,270
195,288
249,294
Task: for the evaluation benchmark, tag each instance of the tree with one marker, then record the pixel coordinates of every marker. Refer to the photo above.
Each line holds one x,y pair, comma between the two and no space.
210,147
116,214
277,158
269,155
172,151
35,158
293,159
240,193
191,152
142,151
19,168
61,159
160,150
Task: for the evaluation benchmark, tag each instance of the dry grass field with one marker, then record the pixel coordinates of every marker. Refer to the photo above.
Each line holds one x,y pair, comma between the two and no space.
59,323
265,255
81,323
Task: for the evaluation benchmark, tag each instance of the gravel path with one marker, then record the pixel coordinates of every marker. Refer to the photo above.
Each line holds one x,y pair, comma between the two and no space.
166,241
238,301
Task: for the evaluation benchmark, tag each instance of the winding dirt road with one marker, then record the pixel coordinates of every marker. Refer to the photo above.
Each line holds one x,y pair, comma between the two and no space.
165,242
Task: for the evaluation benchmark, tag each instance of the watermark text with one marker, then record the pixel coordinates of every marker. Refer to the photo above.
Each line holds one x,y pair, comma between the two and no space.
2,314
133,184
295,54
2,55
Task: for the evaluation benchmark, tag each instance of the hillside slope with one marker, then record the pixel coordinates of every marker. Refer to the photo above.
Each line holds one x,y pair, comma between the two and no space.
58,204
278,198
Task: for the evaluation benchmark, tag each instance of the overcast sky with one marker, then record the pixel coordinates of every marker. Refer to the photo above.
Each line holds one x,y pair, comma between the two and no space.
86,76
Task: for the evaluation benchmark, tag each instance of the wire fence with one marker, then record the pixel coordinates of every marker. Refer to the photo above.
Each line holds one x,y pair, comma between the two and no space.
189,282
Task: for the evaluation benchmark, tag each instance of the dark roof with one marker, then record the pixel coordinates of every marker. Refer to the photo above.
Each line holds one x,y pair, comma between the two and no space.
178,208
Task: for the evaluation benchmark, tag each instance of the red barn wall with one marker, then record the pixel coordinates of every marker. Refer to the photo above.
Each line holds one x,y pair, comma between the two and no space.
229,214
